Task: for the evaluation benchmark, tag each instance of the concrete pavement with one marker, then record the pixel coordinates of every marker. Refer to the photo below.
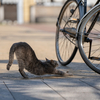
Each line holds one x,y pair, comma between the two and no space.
84,84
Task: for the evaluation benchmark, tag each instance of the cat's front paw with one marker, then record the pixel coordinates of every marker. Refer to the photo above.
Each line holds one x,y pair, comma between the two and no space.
66,74
62,73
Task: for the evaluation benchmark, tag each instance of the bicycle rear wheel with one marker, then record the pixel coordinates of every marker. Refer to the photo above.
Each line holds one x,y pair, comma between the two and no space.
65,42
89,38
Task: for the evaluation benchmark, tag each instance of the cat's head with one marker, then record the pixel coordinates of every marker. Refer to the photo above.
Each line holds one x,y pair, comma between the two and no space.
52,62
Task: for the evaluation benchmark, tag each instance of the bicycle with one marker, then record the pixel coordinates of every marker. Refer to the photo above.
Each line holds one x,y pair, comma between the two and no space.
78,29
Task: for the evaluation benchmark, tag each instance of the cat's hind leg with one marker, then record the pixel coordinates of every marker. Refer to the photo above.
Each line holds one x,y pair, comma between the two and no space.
21,68
23,73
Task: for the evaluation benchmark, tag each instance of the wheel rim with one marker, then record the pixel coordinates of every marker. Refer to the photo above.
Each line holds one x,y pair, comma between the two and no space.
64,47
94,61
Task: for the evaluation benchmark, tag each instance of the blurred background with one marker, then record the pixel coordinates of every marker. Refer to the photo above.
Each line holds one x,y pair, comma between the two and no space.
31,11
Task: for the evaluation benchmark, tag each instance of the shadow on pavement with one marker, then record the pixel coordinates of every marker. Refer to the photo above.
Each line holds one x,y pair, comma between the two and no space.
79,70
29,90
44,87
6,61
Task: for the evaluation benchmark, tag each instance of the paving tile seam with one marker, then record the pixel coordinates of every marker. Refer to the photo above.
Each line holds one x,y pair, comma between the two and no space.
89,85
9,90
53,89
42,79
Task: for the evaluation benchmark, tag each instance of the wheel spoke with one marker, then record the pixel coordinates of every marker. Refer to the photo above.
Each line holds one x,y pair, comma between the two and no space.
65,44
90,50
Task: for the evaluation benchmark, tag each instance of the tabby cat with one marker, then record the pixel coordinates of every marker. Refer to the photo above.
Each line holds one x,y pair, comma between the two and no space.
27,60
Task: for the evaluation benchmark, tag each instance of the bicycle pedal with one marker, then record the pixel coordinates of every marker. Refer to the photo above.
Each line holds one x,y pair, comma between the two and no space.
73,20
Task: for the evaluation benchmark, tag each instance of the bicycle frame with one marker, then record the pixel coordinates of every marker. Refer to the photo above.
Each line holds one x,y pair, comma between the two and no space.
85,14
83,7
80,5
86,39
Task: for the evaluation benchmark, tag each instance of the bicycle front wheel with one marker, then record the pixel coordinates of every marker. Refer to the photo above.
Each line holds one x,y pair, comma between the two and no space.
89,38
65,43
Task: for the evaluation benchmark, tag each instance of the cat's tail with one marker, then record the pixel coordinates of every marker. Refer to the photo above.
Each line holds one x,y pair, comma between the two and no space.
11,56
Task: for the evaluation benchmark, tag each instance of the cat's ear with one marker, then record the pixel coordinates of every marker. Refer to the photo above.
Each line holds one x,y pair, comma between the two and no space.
52,61
47,59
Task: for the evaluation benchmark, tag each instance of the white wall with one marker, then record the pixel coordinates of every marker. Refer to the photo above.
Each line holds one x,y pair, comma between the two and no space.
20,12
1,13
91,2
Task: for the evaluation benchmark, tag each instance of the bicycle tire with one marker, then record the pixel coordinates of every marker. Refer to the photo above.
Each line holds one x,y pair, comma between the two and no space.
93,62
64,61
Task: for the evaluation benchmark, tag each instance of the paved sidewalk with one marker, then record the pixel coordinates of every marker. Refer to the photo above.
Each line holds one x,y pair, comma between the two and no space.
84,84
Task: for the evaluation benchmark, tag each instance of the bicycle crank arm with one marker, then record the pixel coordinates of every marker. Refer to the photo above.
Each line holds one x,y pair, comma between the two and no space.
70,31
94,58
89,56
